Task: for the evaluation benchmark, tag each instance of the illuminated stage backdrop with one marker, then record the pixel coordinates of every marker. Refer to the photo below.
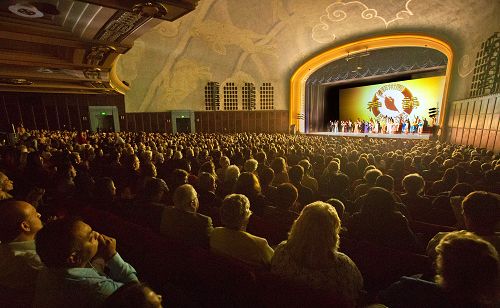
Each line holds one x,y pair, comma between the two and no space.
407,98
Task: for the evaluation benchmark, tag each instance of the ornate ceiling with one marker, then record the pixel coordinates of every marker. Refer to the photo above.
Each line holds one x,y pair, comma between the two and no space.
70,46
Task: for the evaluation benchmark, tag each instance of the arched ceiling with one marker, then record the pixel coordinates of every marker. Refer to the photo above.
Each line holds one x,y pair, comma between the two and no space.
267,40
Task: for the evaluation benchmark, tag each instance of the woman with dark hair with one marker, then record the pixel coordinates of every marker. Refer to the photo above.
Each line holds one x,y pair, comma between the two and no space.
248,185
379,222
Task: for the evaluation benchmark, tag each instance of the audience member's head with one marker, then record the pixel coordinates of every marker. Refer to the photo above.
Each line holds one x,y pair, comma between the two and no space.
296,174
104,189
288,195
19,221
378,202
66,243
266,176
467,268
247,184
481,212
186,198
279,165
250,165
134,295
206,182
235,212
178,178
372,175
314,236
413,184
450,176
338,205
385,181
6,184
231,174
154,189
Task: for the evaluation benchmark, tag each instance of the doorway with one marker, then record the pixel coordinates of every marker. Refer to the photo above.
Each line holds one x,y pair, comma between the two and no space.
183,125
104,118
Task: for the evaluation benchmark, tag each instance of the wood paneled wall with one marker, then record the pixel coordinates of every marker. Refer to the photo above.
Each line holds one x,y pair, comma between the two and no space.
53,111
70,111
149,122
476,122
268,121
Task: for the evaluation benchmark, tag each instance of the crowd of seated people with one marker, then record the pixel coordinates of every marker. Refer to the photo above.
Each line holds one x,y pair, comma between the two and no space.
224,192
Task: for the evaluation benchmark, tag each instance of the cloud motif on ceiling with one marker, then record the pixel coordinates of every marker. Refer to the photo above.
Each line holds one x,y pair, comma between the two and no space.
323,32
466,66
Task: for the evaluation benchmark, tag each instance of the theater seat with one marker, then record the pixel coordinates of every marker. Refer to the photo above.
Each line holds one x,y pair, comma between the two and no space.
220,281
280,292
381,266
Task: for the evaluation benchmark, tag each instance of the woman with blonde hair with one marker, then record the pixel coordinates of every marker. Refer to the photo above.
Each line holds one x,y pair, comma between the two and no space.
310,255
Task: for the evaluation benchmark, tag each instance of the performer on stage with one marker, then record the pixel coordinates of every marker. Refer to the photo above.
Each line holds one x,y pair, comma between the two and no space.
336,126
403,127
342,125
330,126
420,125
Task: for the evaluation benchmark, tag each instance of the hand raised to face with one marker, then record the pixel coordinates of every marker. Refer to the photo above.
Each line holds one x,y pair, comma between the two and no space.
107,247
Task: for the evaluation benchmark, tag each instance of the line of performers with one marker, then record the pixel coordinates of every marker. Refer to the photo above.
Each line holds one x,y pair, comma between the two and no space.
383,125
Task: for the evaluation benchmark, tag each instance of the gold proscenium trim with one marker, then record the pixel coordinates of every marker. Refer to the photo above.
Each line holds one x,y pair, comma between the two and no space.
299,77
114,81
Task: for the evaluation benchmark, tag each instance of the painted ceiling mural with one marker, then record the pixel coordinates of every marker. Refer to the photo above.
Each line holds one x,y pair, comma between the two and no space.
266,40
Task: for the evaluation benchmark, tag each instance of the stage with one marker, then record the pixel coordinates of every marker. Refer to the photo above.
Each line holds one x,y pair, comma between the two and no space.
372,135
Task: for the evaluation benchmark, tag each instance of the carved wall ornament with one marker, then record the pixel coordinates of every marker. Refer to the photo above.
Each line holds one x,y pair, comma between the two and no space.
97,54
153,9
16,81
92,73
120,26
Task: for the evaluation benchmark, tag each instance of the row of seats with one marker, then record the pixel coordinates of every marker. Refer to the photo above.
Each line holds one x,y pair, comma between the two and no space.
194,277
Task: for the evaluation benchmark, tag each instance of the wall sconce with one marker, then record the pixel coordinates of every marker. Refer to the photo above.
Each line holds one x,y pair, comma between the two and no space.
197,119
84,118
168,120
122,117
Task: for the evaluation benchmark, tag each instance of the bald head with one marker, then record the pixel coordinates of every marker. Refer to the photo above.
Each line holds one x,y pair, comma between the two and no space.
20,221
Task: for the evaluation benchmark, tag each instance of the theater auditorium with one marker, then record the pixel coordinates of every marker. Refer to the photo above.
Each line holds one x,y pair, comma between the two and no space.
259,153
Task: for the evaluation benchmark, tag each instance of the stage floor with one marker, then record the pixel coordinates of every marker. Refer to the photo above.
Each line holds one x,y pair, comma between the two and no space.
371,135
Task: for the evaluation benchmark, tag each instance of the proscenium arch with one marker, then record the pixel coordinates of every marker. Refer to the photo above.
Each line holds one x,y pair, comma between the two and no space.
300,76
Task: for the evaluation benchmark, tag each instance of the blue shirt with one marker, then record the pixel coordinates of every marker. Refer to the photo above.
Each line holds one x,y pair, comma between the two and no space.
81,287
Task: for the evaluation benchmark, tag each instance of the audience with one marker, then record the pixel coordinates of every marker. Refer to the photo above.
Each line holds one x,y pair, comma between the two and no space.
311,255
59,173
232,240
66,247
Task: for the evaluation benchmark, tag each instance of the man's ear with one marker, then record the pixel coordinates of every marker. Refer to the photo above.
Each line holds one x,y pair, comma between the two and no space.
25,226
74,259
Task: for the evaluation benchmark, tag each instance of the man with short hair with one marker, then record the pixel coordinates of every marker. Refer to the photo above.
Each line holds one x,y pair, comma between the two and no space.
182,222
67,246
19,263
481,214
233,240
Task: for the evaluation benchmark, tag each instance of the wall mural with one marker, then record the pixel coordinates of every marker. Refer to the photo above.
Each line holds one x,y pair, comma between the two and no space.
265,41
